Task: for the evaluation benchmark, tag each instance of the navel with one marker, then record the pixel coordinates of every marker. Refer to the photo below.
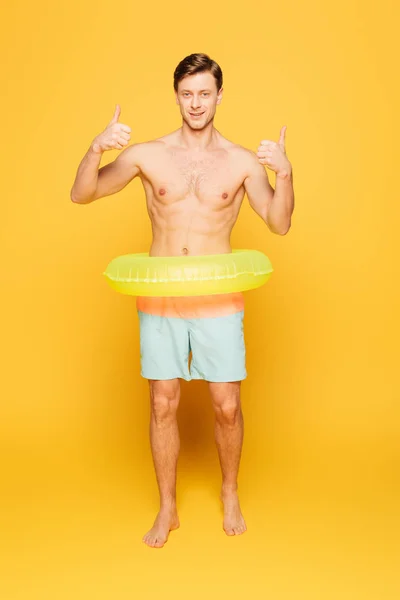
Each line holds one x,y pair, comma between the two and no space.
185,250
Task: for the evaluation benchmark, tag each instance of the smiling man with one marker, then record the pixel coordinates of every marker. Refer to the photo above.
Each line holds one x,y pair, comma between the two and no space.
194,180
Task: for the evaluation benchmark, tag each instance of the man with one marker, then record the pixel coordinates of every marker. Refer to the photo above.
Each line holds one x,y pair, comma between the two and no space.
194,181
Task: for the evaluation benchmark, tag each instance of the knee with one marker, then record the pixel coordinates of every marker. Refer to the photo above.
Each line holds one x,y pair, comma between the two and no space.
228,411
164,399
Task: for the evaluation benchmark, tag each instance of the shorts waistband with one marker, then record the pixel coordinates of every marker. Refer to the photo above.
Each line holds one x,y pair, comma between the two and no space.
192,307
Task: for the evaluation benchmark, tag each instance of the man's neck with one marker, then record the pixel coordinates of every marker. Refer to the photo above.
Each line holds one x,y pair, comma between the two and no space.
203,139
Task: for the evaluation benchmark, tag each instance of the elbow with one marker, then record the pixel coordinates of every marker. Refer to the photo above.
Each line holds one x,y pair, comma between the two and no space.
74,197
284,231
278,230
77,200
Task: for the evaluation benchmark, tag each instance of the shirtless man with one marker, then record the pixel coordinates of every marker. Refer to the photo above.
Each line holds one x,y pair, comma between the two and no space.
194,181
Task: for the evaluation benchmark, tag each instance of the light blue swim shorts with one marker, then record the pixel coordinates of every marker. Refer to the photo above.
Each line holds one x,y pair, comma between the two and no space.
216,345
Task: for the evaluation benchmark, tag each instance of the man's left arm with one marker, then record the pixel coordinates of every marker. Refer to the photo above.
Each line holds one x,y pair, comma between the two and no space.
274,206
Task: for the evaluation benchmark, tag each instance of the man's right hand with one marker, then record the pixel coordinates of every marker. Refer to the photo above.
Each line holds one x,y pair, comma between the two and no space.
115,135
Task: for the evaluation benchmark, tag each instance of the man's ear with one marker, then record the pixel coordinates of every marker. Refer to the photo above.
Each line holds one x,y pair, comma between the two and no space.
219,96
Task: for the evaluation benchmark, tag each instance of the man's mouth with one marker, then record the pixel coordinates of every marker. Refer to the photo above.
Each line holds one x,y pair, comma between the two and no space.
196,114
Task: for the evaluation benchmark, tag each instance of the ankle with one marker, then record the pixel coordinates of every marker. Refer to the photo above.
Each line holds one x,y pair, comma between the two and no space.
168,504
229,489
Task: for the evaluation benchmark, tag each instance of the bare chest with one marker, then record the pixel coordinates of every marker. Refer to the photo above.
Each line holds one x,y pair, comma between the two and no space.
210,179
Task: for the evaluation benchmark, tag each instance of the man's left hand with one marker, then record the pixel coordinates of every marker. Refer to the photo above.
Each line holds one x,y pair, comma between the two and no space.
273,155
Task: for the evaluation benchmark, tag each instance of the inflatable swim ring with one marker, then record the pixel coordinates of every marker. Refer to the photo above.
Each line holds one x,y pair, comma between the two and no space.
144,275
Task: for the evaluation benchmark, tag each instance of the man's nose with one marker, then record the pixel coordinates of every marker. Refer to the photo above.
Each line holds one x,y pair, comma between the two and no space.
196,102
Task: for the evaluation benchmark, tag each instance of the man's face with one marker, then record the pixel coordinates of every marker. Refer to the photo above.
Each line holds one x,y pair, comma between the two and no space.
198,97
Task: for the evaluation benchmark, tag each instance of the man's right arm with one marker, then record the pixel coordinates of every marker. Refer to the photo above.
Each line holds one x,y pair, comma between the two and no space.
91,182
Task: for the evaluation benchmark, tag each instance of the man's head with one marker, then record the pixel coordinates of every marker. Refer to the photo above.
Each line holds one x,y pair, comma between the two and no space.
198,89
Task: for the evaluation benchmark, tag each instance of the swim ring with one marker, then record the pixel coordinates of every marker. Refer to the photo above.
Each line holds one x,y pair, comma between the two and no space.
144,275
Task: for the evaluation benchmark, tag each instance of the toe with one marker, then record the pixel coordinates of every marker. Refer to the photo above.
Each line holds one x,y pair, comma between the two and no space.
150,541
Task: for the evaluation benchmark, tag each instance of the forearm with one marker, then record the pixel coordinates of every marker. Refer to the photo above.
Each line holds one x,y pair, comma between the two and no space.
85,183
282,205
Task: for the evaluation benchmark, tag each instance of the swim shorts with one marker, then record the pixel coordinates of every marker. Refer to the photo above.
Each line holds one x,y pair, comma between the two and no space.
197,337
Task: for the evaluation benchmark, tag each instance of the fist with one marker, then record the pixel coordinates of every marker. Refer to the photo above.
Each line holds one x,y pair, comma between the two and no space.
115,135
273,154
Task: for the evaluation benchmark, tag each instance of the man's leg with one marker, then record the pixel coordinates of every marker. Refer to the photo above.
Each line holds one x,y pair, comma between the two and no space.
229,431
165,444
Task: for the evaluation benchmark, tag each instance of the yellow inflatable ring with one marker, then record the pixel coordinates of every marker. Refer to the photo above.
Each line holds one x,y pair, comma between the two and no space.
144,275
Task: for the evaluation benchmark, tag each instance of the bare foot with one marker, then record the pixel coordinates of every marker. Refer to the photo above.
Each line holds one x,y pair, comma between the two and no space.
234,523
166,520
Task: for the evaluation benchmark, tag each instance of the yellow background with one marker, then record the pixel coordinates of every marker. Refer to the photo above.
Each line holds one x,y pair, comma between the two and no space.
319,482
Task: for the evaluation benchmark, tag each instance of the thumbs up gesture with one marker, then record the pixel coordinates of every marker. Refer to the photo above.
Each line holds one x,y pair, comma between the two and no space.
273,154
115,135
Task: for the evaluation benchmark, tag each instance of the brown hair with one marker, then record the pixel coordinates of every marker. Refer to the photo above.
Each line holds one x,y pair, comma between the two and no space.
197,63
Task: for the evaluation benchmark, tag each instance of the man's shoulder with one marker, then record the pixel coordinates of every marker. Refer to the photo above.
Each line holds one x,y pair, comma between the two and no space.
244,155
140,150
148,146
160,144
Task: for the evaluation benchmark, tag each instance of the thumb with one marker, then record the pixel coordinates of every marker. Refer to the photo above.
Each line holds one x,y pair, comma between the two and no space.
117,112
282,137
